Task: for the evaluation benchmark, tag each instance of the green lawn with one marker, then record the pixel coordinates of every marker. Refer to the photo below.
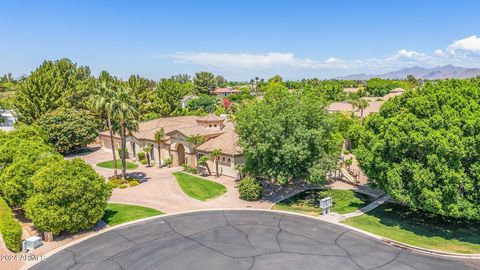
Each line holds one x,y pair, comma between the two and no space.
199,188
420,229
120,213
308,202
109,165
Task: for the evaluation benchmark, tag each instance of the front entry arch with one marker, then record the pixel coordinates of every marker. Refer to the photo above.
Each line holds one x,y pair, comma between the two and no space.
180,154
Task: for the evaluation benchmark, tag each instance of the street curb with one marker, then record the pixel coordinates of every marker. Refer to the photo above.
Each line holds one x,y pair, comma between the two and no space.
381,239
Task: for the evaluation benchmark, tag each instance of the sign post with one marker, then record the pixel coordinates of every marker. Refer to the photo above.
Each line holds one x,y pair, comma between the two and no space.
326,204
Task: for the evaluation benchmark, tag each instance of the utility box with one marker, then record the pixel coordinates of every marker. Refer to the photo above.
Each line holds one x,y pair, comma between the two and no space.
326,204
32,243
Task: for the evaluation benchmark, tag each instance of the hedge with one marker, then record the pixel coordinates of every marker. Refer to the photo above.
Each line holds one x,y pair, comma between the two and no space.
250,189
10,229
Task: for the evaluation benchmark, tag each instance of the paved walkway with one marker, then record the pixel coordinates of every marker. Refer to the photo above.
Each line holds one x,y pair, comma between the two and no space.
243,240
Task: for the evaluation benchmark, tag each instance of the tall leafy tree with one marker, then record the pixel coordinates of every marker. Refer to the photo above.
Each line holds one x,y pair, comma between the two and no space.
52,85
68,129
288,137
169,96
423,148
204,82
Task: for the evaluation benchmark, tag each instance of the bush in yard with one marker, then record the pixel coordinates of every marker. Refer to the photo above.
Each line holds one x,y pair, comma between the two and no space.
133,183
250,189
141,156
10,229
144,162
68,195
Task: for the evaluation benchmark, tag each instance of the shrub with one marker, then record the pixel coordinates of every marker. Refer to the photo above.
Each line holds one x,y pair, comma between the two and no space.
123,186
346,152
250,189
141,156
168,161
10,229
120,153
68,195
144,161
348,162
134,183
115,182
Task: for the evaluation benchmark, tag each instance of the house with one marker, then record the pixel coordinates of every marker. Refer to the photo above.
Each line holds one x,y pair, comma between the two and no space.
225,91
217,132
9,120
186,99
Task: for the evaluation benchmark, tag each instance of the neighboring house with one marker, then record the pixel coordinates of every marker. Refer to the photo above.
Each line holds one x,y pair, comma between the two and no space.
9,120
225,91
374,104
186,99
217,132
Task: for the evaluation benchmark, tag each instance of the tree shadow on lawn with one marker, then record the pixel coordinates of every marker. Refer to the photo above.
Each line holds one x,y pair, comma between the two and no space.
109,214
428,225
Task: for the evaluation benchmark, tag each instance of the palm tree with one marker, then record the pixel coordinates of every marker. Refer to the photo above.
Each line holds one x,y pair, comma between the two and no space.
214,155
147,148
101,104
203,160
196,140
123,111
362,104
158,137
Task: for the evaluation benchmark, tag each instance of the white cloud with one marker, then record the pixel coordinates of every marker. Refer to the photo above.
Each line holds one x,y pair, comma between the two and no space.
253,61
469,44
463,52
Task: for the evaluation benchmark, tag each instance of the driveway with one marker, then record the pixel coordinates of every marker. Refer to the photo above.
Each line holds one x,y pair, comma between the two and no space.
240,239
161,191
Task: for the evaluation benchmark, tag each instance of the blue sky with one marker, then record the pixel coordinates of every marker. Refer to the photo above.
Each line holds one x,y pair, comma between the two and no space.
240,39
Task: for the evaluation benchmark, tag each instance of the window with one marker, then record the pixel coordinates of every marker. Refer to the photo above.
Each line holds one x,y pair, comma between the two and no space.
228,159
223,158
215,125
209,125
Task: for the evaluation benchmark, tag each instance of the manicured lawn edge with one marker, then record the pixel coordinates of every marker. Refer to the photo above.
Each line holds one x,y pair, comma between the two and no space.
426,237
199,188
340,206
116,213
109,165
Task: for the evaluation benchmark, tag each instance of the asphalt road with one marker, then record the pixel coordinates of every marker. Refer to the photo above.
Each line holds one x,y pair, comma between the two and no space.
240,240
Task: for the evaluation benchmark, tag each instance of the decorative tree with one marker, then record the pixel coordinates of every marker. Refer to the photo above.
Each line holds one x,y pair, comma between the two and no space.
158,137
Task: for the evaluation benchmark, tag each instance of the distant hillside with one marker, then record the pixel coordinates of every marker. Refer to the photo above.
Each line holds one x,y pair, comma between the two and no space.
444,72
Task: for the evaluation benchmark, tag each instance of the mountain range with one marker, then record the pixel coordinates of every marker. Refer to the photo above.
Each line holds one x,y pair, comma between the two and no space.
444,72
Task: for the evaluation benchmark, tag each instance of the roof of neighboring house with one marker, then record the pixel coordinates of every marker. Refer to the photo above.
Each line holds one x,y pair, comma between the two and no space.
394,93
225,90
227,143
211,118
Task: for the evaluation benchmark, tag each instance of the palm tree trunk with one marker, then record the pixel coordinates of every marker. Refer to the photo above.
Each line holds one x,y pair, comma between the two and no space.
148,159
216,168
361,117
124,163
109,123
159,156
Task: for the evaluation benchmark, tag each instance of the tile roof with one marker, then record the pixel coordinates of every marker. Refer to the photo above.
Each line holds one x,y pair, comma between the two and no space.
227,142
225,90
